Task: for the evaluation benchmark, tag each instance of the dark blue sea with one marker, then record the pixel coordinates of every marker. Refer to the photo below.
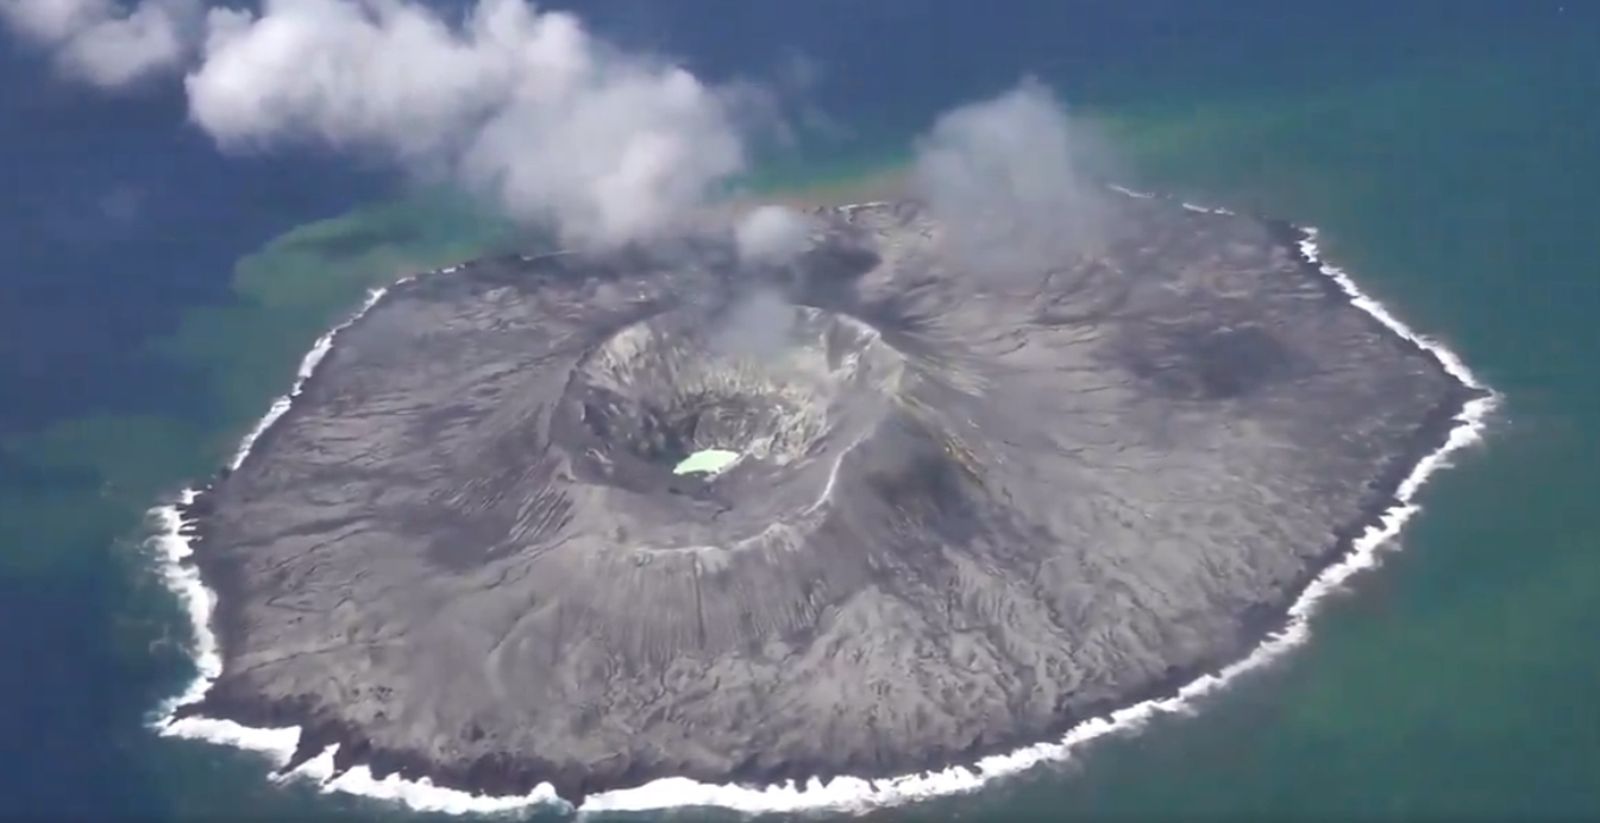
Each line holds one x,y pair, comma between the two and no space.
151,305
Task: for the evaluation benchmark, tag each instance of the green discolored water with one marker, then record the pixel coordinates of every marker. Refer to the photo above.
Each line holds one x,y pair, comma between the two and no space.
91,479
1455,182
706,461
1459,680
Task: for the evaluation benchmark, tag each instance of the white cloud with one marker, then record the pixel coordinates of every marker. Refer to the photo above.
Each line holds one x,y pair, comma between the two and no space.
524,106
52,21
104,43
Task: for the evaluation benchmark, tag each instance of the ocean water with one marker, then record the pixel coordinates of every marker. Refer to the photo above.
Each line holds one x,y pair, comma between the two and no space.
152,305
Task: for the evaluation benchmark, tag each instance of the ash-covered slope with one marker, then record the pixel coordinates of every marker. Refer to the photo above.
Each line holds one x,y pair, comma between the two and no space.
972,507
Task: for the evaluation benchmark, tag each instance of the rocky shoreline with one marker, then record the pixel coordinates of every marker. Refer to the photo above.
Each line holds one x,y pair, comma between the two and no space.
505,774
508,778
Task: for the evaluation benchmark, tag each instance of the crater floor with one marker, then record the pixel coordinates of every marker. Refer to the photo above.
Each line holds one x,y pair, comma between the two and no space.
972,505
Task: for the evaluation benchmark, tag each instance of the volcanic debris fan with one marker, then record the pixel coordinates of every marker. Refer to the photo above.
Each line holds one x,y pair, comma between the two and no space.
967,506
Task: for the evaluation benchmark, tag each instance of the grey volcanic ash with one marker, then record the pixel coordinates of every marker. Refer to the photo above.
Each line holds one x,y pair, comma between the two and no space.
868,490
966,510
926,480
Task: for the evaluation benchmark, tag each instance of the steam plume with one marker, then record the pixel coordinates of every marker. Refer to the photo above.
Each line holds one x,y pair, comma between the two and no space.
1006,174
523,106
103,43
772,235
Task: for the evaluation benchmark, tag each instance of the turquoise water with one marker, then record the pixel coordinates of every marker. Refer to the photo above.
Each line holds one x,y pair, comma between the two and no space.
1446,150
709,461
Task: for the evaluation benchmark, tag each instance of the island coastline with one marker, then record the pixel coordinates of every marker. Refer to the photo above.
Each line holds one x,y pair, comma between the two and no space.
336,756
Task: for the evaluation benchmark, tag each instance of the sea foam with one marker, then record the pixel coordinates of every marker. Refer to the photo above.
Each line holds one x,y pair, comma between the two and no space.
846,793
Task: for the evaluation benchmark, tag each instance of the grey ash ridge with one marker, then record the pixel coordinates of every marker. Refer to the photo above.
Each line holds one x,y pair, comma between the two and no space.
975,507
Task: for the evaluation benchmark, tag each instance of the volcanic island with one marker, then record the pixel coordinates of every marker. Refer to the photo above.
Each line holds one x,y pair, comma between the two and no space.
541,519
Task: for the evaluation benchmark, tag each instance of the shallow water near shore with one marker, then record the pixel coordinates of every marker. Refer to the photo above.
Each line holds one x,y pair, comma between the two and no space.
1451,173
